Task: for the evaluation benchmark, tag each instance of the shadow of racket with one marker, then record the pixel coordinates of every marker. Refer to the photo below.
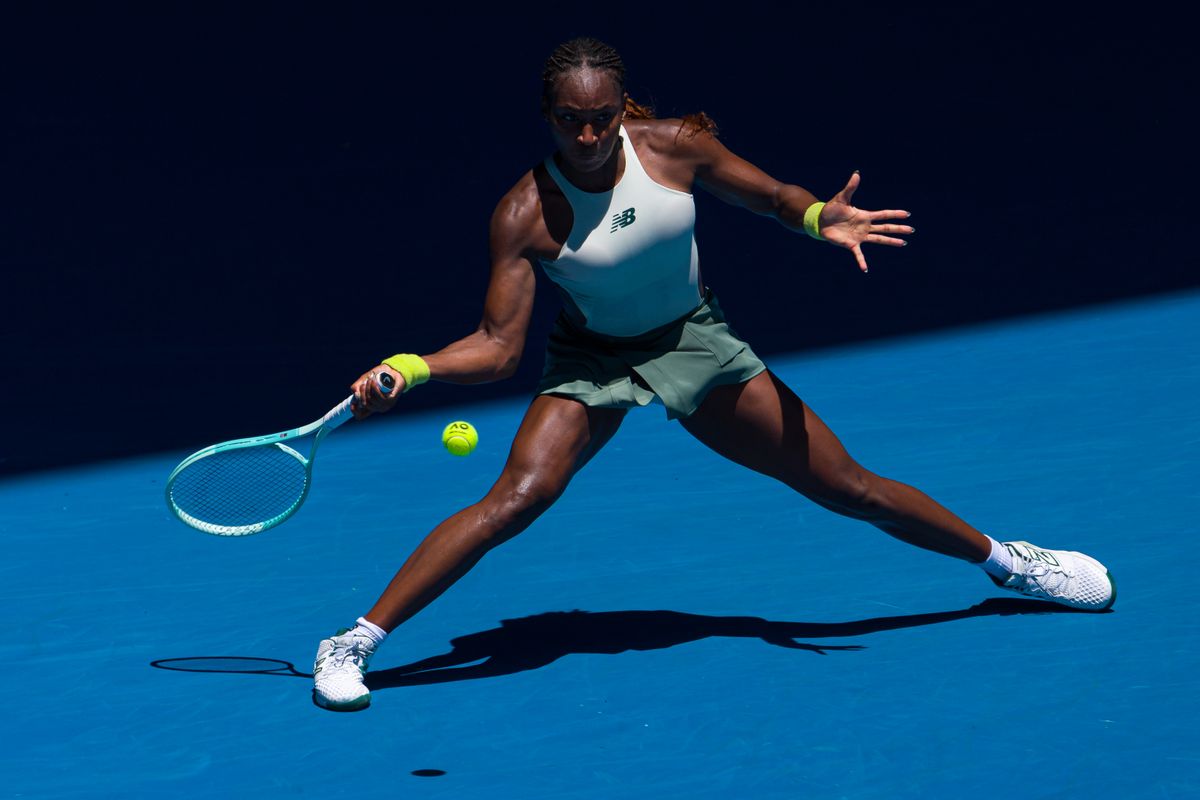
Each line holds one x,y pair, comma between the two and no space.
237,665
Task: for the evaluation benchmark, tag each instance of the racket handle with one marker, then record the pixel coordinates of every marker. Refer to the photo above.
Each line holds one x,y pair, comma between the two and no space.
345,409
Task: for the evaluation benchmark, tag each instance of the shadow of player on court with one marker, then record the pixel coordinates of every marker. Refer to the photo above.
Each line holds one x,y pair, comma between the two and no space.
532,642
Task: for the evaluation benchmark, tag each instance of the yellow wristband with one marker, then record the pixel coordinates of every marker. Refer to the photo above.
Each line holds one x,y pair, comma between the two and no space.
812,221
412,368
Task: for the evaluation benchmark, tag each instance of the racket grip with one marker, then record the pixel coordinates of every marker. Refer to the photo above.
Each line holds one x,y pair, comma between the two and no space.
345,409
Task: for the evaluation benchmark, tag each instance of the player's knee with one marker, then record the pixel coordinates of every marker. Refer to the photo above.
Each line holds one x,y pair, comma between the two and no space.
531,497
518,500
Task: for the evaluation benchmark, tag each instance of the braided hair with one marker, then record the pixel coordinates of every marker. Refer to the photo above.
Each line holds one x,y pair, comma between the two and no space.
585,52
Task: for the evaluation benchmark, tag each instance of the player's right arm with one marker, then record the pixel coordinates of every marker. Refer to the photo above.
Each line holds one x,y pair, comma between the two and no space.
493,350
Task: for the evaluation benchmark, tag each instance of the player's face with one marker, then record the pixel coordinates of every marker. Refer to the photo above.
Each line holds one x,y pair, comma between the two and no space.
585,114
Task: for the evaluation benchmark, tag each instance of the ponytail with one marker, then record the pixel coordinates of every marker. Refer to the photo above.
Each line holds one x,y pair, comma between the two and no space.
692,123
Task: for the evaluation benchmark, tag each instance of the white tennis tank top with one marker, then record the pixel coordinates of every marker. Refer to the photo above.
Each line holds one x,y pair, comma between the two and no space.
630,263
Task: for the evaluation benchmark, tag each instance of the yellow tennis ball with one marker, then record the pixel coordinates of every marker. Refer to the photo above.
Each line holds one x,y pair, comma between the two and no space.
460,438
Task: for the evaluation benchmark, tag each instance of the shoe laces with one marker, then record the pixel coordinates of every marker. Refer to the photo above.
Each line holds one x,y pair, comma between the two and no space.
350,648
1042,577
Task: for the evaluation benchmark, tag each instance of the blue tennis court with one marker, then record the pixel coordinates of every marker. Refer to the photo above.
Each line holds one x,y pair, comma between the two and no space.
675,626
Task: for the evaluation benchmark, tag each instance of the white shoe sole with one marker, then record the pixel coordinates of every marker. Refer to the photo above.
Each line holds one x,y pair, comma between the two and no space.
353,705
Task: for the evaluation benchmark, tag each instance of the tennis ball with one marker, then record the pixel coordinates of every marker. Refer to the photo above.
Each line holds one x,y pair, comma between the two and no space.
460,438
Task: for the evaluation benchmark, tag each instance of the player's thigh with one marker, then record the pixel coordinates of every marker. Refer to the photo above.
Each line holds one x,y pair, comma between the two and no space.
556,438
763,425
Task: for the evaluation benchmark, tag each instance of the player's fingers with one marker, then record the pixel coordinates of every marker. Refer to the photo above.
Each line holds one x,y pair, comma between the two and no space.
847,192
852,184
858,256
888,240
375,394
891,213
893,229
362,400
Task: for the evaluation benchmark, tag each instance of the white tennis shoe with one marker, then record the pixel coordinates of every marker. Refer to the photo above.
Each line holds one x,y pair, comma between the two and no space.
339,670
1062,576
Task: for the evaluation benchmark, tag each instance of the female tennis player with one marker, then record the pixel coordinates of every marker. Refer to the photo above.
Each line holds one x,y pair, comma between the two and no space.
609,217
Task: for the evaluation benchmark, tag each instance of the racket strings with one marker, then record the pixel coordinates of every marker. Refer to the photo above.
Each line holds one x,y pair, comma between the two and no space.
241,487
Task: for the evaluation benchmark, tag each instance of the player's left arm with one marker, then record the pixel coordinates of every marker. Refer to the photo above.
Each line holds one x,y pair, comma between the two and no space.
738,182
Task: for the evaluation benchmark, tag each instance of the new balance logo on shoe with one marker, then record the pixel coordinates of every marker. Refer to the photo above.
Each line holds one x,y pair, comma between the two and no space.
1032,554
623,220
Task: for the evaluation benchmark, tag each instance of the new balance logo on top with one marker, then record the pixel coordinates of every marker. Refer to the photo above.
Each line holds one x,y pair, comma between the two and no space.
1031,554
623,220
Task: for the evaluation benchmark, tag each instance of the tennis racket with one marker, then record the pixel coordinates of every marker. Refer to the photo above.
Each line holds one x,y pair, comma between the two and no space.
247,486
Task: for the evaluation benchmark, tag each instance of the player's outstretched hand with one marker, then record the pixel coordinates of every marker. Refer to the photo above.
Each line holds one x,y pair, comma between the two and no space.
369,398
849,227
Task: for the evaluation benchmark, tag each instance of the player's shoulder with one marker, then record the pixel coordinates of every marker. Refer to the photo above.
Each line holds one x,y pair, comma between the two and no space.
520,206
519,219
671,137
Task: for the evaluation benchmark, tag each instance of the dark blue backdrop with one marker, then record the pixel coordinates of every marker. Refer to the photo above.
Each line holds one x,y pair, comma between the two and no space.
214,220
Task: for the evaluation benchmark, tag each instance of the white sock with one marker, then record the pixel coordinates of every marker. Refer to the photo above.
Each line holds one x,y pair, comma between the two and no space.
370,630
1000,562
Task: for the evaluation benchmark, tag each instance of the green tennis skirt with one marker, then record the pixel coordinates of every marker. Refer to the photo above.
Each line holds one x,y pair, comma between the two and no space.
677,364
